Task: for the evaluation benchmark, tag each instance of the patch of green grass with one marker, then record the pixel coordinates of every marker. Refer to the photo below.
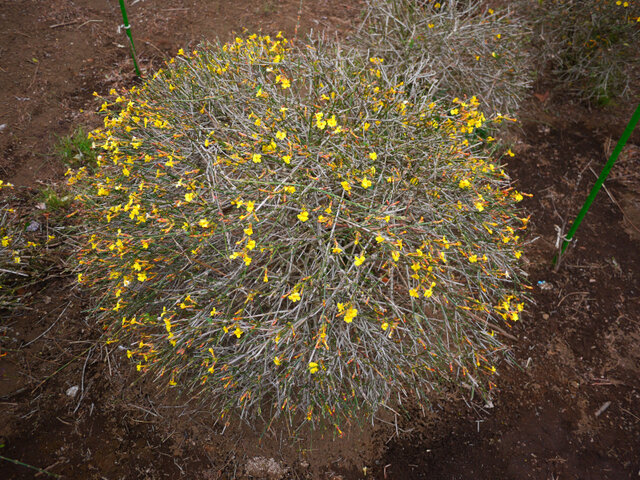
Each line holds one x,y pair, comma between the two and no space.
75,149
54,201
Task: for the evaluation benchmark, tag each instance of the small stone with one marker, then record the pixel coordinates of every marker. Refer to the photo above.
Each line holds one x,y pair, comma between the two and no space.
545,316
72,391
34,226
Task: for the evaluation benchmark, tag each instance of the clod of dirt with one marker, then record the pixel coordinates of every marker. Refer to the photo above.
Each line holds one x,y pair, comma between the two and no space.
265,468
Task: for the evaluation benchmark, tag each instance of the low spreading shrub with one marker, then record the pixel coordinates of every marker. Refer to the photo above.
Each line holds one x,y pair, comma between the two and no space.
23,248
591,46
452,48
284,231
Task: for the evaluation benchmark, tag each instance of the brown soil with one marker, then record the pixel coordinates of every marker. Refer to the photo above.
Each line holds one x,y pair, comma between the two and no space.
579,344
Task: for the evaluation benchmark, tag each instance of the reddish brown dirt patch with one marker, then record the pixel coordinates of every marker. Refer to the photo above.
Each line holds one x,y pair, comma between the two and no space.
578,344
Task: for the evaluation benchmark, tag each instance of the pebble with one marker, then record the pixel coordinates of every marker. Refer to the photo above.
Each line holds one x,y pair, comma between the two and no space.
34,226
72,391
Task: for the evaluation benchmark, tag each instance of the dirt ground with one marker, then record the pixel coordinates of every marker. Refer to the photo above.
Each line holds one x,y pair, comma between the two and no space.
572,411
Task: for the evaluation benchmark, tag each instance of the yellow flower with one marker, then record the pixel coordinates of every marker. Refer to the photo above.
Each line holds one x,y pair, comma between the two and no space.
350,314
249,230
142,277
181,52
250,207
136,266
313,367
332,121
414,293
285,83
257,158
366,183
379,239
280,135
103,192
303,216
277,361
510,153
359,260
518,254
16,259
473,258
396,255
429,291
247,260
373,155
336,249
238,332
5,241
518,197
346,186
464,184
290,189
479,206
286,159
188,196
294,297
251,244
204,223
79,278
384,326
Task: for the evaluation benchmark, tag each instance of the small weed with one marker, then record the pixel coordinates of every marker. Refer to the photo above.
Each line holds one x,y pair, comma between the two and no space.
53,200
75,149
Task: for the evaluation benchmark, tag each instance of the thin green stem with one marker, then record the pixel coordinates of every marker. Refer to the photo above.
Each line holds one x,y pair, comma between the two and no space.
605,172
127,29
40,470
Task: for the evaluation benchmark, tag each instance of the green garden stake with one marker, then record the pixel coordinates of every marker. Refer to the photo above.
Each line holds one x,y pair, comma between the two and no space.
596,188
127,29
